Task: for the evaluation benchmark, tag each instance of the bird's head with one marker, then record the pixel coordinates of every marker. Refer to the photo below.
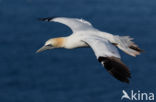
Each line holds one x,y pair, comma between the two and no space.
52,43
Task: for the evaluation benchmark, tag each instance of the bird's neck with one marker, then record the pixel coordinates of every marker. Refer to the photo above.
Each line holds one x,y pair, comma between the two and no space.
60,42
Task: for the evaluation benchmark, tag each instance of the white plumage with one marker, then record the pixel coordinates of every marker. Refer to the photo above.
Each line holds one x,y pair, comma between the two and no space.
102,47
103,44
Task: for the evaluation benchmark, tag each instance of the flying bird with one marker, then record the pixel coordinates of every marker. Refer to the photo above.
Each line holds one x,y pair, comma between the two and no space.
102,43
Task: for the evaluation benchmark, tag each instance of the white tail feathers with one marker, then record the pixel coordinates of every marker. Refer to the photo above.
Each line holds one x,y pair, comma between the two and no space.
125,43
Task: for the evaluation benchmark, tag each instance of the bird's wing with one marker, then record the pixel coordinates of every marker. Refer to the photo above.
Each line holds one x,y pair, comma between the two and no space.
107,54
73,23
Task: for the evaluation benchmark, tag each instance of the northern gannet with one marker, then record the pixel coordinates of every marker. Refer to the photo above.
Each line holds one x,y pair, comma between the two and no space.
103,44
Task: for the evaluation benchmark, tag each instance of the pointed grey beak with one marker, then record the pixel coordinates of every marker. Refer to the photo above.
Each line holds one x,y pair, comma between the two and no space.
44,48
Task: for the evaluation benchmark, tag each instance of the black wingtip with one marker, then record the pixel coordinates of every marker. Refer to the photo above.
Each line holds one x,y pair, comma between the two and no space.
116,68
46,19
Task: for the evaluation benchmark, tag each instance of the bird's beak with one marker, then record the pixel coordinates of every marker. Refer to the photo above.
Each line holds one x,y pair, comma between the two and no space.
44,48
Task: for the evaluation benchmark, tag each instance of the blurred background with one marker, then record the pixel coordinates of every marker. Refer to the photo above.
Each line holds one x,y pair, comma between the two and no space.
72,75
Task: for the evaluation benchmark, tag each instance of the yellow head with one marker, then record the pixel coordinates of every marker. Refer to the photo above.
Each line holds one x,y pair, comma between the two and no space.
52,43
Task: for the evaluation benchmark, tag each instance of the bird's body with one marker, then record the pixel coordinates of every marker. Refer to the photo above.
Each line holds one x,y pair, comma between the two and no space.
75,40
103,44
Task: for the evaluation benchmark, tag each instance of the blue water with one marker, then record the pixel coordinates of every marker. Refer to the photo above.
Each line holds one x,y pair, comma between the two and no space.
72,75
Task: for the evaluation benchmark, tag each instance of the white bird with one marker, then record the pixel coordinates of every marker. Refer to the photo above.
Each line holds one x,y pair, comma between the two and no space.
103,44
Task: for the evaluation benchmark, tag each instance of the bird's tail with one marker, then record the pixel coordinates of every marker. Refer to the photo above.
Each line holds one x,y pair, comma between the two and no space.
126,44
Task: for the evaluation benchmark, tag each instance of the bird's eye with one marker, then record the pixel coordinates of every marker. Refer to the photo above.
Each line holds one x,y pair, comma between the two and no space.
49,45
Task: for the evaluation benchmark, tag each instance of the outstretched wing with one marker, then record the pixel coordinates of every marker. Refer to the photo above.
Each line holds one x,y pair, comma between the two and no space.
73,23
107,54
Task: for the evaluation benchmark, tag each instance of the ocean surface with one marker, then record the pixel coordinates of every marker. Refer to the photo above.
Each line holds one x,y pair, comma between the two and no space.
72,75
